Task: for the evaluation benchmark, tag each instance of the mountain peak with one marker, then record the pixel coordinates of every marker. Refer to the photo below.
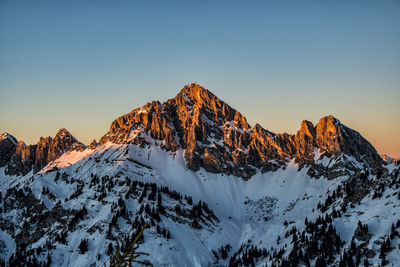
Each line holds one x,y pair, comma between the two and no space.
337,138
21,159
194,99
62,133
8,144
307,128
7,136
194,94
93,144
329,121
194,90
217,137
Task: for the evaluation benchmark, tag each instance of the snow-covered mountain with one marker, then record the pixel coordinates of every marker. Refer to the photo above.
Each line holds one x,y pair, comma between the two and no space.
214,191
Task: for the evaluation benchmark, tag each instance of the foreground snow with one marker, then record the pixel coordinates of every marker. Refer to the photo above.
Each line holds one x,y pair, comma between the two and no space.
252,211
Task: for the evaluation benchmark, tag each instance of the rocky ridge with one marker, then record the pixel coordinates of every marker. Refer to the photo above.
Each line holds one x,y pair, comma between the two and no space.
214,136
218,138
20,158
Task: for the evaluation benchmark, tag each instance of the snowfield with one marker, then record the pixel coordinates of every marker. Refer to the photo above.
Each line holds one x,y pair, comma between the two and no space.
248,212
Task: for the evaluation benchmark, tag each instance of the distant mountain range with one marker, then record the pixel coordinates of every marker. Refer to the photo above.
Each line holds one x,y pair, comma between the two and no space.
214,190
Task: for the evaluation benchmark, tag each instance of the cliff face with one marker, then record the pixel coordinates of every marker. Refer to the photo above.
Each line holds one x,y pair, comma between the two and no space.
214,136
20,159
336,138
218,138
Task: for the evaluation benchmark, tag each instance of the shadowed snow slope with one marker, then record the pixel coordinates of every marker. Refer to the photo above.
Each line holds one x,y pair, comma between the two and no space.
246,211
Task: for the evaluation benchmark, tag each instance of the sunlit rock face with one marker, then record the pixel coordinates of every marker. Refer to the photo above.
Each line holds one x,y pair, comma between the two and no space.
305,142
22,158
336,138
214,136
218,138
49,149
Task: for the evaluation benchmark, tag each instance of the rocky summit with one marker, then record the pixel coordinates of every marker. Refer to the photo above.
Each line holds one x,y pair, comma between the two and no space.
20,159
211,189
218,138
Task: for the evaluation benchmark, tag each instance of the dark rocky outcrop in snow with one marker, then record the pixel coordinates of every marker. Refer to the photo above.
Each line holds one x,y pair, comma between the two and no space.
7,148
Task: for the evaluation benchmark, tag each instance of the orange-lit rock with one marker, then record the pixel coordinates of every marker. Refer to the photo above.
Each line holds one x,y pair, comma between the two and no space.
25,158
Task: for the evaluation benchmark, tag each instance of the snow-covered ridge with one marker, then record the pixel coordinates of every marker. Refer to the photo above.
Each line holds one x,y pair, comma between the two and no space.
257,212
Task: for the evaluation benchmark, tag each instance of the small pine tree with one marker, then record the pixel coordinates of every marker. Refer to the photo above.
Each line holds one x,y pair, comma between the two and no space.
126,254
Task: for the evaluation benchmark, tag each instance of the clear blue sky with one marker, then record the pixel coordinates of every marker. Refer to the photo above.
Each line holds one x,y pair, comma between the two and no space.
81,64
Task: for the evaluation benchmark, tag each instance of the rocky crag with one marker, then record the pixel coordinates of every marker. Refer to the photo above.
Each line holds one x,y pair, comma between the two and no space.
214,136
218,138
20,158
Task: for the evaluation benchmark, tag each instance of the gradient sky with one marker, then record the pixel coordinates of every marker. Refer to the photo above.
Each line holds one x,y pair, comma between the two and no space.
81,64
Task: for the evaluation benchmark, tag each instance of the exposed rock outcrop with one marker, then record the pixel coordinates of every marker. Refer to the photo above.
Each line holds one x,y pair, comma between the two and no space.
20,159
218,138
8,144
336,138
305,141
214,136
93,144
